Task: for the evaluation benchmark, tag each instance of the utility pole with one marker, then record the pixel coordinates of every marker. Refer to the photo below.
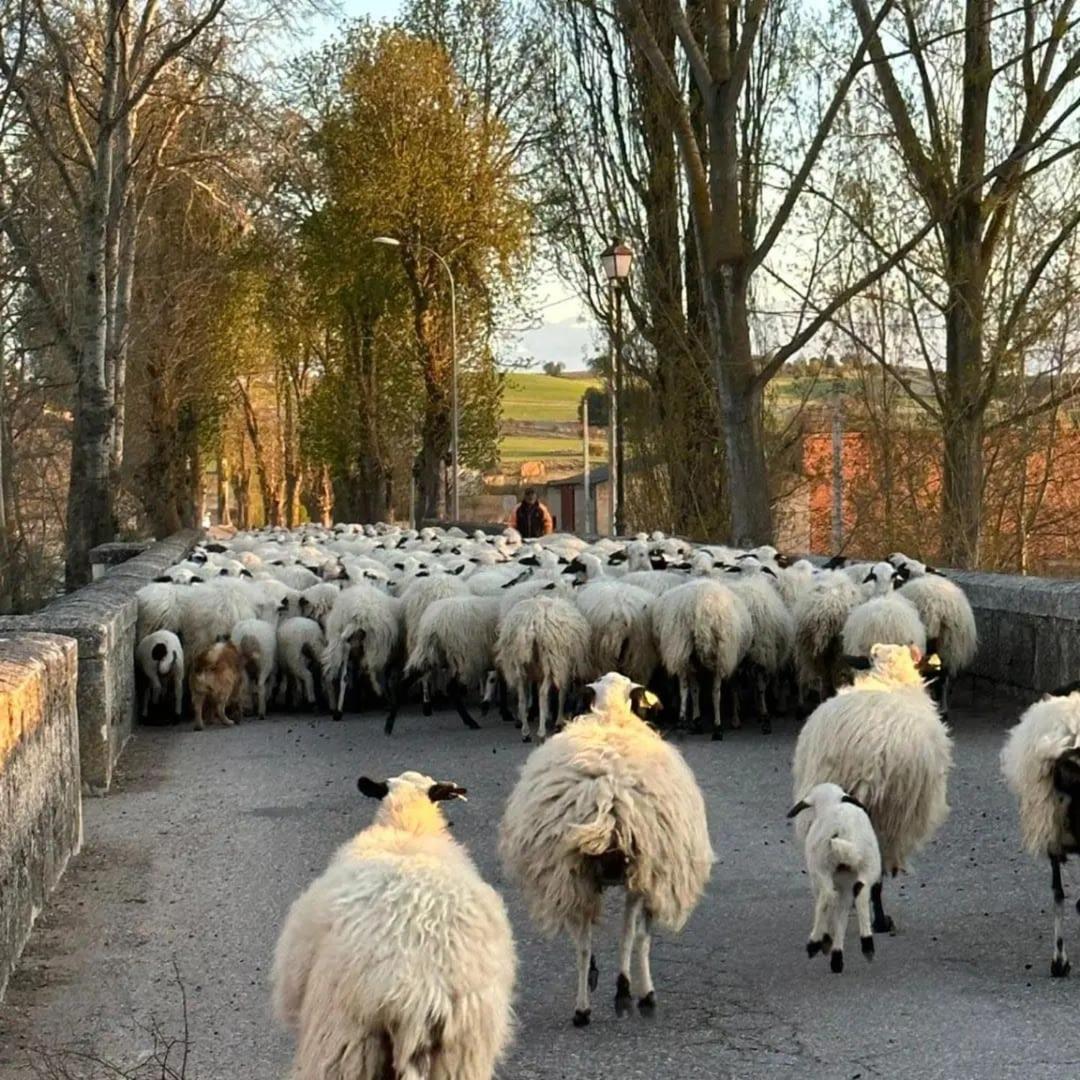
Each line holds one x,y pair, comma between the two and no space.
585,459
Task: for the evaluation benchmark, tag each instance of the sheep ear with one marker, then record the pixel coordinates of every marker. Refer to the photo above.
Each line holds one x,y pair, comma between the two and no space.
195,580
916,654
836,562
935,571
373,789
459,570
548,588
163,578
643,701
1065,691
445,792
586,700
732,569
869,577
902,573
768,570
783,561
798,808
246,573
855,802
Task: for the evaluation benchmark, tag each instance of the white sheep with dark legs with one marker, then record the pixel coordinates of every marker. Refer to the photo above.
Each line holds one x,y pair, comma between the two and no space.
543,643
399,960
620,626
363,631
702,629
160,659
300,646
951,633
844,864
1041,765
608,803
455,639
883,741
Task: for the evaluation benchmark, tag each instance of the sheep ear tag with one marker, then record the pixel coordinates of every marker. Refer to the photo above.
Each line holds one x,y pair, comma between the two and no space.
855,802
446,792
798,808
373,789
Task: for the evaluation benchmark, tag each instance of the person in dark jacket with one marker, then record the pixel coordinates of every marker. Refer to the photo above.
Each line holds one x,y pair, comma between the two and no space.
531,517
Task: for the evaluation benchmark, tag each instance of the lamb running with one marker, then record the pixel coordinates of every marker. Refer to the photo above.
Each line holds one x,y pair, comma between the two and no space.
883,741
1041,765
398,961
842,859
607,802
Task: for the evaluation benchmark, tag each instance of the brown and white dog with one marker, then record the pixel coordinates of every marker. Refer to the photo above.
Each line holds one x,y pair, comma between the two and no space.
217,679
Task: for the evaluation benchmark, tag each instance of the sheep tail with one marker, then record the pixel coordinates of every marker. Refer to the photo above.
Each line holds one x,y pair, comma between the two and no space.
844,852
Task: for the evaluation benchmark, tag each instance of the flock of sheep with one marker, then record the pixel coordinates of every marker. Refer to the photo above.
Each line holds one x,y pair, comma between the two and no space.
399,960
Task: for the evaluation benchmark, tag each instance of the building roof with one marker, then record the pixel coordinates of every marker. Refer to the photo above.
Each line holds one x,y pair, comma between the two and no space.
600,475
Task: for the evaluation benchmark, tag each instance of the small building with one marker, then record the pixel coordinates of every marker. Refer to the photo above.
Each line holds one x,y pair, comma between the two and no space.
566,500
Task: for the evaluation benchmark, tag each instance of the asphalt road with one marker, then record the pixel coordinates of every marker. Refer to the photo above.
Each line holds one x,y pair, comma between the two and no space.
196,855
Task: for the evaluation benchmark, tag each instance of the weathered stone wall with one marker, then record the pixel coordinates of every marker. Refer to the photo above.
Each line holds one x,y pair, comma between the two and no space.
1029,630
101,618
40,798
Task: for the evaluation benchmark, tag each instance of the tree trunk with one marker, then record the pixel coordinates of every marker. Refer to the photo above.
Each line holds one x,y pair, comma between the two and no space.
90,502
741,408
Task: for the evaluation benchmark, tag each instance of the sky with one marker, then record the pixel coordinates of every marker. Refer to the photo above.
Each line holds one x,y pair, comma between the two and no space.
565,333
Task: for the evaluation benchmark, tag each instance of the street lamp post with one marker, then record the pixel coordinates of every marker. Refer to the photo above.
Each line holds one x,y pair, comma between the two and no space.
616,261
390,241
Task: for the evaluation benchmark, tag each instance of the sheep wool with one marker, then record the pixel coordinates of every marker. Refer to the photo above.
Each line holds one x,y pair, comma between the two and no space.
399,960
884,620
606,801
883,741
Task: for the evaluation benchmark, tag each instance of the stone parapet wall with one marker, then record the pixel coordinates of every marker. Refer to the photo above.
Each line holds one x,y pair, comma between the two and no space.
40,797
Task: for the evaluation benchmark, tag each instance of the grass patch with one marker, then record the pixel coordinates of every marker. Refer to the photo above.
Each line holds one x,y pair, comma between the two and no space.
518,448
531,396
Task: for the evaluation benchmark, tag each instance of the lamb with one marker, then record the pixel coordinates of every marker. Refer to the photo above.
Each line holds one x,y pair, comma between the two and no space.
701,628
842,859
607,802
300,645
543,642
216,680
950,626
883,741
456,638
1041,765
399,960
620,625
365,625
160,658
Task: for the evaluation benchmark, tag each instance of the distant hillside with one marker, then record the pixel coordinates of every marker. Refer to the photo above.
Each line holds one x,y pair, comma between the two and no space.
532,404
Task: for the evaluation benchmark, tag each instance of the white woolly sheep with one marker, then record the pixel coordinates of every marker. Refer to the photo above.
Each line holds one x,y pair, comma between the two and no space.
620,625
318,601
454,638
844,863
364,626
210,611
820,616
300,646
160,658
1041,765
773,629
950,627
161,607
702,629
543,642
608,803
883,620
399,960
257,642
882,740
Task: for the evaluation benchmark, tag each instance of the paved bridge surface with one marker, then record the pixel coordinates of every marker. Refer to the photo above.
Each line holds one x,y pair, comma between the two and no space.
196,855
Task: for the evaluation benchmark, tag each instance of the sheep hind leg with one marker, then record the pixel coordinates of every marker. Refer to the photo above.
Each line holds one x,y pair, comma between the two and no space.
1059,966
586,979
631,914
841,910
645,989
545,708
717,704
862,913
820,937
883,924
524,694
760,678
457,696
684,702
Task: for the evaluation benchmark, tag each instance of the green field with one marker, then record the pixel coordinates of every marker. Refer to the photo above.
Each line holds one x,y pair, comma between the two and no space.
531,396
514,449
